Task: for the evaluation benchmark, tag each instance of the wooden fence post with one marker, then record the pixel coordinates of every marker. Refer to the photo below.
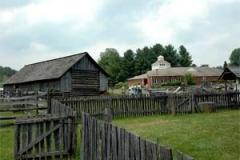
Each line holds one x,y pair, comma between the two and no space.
165,153
107,115
171,103
36,99
49,98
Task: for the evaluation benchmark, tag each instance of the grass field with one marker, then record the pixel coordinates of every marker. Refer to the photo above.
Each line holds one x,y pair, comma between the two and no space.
214,136
7,137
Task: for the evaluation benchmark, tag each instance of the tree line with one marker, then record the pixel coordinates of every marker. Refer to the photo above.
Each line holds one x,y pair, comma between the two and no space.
5,73
120,68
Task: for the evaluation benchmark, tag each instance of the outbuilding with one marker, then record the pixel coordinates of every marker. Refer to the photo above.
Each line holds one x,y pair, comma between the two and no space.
231,73
77,74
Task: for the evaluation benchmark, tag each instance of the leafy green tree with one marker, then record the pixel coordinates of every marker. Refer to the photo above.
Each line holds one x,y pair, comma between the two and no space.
5,73
235,57
132,64
110,61
185,59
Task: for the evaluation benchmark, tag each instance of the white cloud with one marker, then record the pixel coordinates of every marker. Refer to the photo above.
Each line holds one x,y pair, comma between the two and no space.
171,16
44,29
82,12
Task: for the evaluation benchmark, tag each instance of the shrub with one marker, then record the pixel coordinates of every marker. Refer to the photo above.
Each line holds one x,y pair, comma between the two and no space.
189,79
120,85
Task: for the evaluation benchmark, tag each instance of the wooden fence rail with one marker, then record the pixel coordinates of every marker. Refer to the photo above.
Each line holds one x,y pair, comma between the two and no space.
24,103
123,106
103,141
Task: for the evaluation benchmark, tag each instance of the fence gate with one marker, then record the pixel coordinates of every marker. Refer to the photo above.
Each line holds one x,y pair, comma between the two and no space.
46,137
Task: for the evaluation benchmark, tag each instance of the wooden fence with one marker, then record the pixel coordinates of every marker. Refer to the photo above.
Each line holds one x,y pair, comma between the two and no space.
24,103
221,100
50,136
103,141
123,106
120,106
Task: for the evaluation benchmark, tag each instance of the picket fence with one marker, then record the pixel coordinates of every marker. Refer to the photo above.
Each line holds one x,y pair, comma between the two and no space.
124,106
104,141
51,136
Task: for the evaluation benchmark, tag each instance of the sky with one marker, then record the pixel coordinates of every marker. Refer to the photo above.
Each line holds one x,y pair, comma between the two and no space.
37,30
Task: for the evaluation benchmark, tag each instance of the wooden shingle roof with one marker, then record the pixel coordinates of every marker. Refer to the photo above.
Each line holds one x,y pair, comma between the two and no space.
46,70
235,70
230,73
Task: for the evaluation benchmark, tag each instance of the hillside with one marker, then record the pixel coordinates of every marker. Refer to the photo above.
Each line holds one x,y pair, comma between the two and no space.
5,73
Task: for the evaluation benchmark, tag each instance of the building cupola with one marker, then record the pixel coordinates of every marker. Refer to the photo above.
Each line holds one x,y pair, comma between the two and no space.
160,63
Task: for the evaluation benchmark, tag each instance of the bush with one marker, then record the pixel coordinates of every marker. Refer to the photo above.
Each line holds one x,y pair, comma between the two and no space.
120,85
168,83
189,79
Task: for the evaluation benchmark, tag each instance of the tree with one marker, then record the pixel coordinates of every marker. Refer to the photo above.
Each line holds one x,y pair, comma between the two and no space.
235,57
170,55
185,59
141,64
194,65
127,66
110,61
225,65
158,50
5,73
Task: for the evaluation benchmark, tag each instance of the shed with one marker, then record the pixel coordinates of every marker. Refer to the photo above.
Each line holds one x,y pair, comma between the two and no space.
78,74
231,73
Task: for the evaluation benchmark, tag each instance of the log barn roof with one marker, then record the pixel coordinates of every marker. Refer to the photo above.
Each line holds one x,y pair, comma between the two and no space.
46,70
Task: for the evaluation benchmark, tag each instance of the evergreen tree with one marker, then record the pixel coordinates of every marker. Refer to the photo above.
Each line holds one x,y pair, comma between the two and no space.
127,66
185,59
235,57
158,50
170,55
225,65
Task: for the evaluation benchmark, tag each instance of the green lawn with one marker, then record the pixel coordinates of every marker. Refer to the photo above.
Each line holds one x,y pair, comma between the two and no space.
6,143
7,135
214,136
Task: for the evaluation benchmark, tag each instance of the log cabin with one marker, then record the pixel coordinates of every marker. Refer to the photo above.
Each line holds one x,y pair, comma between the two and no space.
77,74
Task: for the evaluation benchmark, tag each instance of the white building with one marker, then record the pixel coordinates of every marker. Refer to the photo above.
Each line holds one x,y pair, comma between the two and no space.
161,64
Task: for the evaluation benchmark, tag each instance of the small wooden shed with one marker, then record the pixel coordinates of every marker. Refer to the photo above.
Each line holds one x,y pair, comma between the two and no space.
231,73
78,74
